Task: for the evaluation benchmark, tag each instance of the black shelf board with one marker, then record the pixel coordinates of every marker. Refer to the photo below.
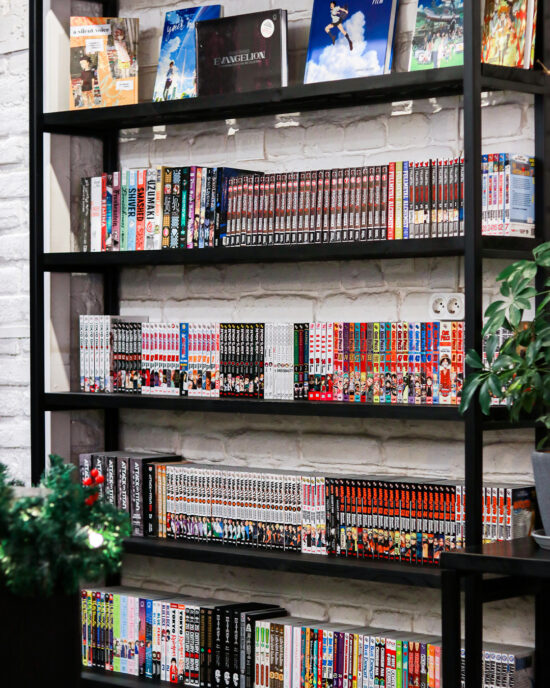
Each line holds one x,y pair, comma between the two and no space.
493,247
74,401
317,565
92,678
385,88
519,557
68,262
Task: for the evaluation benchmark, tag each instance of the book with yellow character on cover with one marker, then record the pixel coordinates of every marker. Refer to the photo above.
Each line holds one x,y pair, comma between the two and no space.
103,62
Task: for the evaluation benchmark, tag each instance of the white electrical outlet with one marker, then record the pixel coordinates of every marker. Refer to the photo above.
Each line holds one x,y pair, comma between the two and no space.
449,306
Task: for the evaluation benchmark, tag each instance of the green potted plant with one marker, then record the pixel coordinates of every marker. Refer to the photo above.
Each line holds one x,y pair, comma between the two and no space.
51,538
519,371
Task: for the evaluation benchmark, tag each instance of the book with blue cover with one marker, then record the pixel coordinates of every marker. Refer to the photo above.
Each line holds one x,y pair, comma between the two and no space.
177,67
350,40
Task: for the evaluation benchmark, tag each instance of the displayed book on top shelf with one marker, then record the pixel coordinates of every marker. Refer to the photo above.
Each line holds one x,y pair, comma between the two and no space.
349,40
509,33
203,207
438,39
212,643
103,62
177,66
247,52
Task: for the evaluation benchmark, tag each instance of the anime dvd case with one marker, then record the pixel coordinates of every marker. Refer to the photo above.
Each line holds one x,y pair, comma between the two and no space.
438,39
103,62
350,40
177,64
247,52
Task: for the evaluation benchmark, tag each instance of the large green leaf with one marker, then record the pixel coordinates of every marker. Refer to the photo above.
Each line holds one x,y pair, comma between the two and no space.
485,398
491,346
471,384
473,359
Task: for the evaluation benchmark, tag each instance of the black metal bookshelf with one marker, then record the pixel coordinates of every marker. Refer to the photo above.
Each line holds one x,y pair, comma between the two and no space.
469,81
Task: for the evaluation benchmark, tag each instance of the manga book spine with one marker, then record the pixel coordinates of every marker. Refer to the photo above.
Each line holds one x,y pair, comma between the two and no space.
166,206
320,211
261,238
175,207
384,203
184,208
354,179
367,204
345,203
378,232
339,204
124,179
210,207
310,236
157,233
436,188
250,210
200,184
104,203
291,233
412,233
447,208
95,213
150,206
398,222
140,209
406,191
301,206
83,235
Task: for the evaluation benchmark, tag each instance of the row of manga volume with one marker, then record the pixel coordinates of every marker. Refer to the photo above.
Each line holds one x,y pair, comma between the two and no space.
200,643
157,208
211,643
364,517
417,363
201,207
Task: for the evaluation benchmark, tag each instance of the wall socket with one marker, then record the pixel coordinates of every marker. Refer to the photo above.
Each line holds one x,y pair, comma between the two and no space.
447,306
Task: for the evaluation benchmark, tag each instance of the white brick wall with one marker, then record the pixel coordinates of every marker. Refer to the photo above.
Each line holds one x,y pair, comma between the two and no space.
339,290
14,208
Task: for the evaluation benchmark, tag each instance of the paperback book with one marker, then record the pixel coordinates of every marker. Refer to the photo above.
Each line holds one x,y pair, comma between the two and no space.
177,66
247,52
103,62
349,40
438,39
509,33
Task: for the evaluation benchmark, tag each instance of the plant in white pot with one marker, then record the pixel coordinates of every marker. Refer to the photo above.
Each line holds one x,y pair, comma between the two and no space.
518,372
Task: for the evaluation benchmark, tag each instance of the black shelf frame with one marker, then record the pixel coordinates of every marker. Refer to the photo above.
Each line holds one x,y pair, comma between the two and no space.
469,81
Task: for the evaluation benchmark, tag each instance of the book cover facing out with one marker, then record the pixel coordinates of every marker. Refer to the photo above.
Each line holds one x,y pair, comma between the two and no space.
177,66
103,62
350,40
438,39
247,52
508,33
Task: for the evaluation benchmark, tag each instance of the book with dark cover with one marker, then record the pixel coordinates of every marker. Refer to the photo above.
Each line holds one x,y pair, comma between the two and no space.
83,236
246,52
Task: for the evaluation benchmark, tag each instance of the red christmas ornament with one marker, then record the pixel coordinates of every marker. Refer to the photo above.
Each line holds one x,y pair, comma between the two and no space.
99,480
94,472
87,482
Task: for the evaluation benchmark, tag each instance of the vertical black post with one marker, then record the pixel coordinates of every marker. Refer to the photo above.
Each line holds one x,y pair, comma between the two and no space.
111,303
542,153
542,635
473,300
36,232
450,627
